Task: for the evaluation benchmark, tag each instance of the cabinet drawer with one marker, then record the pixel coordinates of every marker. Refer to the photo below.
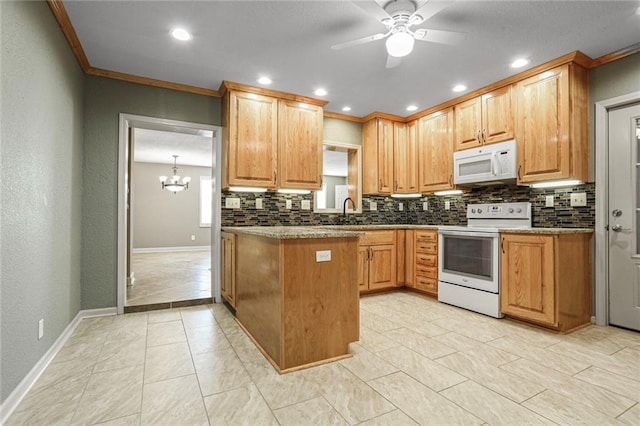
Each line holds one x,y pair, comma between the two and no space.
427,284
428,272
427,259
427,236
425,247
378,237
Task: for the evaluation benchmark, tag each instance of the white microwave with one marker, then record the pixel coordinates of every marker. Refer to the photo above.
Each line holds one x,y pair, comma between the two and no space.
488,165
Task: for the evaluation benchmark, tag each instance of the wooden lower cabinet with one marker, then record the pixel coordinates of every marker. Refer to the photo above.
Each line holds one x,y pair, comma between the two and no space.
228,282
426,261
377,261
546,279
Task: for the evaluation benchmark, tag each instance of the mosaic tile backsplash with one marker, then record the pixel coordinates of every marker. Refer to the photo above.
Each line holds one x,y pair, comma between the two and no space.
275,213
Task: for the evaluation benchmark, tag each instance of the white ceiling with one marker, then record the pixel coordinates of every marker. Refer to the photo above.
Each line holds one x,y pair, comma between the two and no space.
290,42
157,146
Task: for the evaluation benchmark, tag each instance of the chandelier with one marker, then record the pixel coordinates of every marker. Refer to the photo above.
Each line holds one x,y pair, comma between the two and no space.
174,183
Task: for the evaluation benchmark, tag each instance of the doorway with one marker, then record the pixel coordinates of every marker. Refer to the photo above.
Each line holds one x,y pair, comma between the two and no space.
618,211
168,240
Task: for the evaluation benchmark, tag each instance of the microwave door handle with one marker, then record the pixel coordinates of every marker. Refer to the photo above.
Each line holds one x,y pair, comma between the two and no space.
494,165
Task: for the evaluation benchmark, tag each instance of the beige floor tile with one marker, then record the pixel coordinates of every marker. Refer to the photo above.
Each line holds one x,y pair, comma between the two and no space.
613,382
374,341
490,406
197,316
281,390
220,371
81,347
421,368
529,334
483,331
44,414
91,325
132,420
393,418
239,406
207,339
421,403
606,340
414,322
562,363
367,365
167,361
419,343
509,385
110,395
121,353
377,323
607,402
128,332
173,402
165,332
457,341
164,316
565,411
631,416
490,355
347,394
315,411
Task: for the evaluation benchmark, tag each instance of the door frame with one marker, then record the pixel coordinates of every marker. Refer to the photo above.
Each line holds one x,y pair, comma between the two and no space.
602,205
128,121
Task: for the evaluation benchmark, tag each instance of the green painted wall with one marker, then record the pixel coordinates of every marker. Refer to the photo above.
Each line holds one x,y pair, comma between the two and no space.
104,100
41,183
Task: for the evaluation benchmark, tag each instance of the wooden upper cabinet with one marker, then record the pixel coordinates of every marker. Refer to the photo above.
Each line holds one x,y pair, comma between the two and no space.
552,125
484,120
250,139
300,145
405,159
377,147
435,151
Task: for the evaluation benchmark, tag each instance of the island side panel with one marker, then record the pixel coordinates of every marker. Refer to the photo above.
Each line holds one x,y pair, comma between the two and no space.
573,282
321,308
258,292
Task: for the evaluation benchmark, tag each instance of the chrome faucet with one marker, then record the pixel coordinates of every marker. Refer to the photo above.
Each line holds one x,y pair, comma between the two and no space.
344,206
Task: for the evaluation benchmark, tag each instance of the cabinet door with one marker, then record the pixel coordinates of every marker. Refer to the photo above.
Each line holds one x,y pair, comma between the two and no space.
543,126
228,284
385,156
382,266
377,148
363,267
435,151
497,116
468,119
405,159
527,277
253,140
300,145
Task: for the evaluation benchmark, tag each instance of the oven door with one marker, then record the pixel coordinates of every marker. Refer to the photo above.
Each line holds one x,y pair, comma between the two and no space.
470,259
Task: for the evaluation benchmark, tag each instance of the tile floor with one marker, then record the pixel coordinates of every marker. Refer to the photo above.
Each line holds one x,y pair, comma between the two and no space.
169,277
417,362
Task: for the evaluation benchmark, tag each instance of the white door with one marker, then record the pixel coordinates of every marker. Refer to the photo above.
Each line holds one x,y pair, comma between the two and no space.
623,215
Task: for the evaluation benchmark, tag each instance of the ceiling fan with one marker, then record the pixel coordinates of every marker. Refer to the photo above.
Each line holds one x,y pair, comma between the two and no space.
399,16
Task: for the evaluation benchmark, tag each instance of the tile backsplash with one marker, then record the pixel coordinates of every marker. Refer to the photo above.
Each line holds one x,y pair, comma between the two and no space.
275,213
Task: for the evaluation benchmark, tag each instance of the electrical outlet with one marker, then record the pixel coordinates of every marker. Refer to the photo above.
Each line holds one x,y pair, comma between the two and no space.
579,199
401,206
258,203
373,206
548,201
193,238
41,328
305,205
425,205
323,256
287,204
232,203
447,205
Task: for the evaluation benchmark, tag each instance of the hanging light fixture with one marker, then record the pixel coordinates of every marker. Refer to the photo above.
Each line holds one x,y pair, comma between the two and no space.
175,184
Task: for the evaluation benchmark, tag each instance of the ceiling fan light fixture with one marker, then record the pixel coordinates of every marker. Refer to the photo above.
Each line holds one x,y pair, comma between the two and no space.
399,44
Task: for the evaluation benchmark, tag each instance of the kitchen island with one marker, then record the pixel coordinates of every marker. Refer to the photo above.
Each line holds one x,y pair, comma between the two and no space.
296,292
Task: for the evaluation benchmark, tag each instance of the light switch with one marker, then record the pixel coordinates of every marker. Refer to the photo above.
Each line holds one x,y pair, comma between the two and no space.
232,203
548,201
287,204
305,205
579,199
447,205
401,206
373,206
323,256
258,203
425,205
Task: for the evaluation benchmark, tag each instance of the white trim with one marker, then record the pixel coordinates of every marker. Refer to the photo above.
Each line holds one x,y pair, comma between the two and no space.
170,249
602,180
13,400
127,121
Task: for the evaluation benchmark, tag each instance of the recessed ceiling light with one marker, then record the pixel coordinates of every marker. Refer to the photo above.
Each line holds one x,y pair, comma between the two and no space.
519,63
264,80
346,108
181,34
320,92
412,108
459,88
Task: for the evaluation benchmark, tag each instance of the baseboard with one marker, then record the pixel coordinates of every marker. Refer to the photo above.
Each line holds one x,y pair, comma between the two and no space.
169,249
11,403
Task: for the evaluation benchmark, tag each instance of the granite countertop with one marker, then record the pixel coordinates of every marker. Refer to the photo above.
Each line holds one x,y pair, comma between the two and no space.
292,232
548,230
376,227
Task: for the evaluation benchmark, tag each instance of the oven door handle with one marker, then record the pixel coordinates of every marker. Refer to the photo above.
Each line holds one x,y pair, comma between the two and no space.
469,234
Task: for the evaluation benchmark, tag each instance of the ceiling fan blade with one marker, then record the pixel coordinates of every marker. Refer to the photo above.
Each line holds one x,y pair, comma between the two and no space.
362,40
373,8
431,8
392,61
439,36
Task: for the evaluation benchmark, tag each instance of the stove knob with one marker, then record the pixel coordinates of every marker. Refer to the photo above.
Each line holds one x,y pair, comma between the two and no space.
511,210
518,210
479,210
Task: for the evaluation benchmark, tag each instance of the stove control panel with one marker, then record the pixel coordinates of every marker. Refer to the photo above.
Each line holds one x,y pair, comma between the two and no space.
499,211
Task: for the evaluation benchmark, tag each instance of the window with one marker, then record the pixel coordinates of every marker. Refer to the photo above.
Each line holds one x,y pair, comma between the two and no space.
205,201
341,178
